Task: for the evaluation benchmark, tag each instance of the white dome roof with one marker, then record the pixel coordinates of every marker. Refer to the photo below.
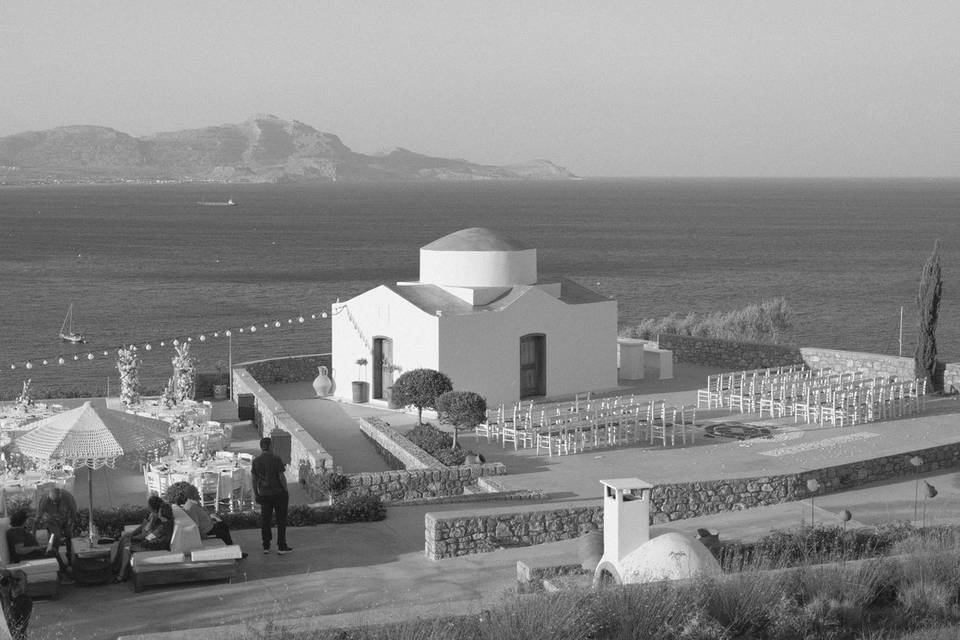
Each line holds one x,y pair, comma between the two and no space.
671,556
476,239
477,258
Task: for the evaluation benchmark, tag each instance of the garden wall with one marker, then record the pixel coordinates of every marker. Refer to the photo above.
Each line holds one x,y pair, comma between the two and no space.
306,454
423,477
728,354
284,370
872,364
451,534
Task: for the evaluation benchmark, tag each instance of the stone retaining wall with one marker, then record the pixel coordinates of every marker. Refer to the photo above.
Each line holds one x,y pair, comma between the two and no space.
307,456
284,370
731,355
458,533
872,364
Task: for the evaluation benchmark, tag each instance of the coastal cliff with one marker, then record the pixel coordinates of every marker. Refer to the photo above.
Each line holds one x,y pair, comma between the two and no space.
262,149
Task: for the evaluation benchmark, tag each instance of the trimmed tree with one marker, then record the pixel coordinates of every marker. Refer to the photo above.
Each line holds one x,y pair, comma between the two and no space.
462,409
420,388
928,311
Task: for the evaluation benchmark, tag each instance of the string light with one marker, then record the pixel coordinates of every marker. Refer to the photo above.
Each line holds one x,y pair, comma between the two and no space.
148,346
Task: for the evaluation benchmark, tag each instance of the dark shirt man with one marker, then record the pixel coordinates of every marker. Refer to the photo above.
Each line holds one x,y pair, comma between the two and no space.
270,492
57,513
23,545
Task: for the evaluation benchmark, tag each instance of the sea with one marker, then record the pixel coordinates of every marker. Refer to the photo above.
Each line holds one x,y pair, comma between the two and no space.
145,265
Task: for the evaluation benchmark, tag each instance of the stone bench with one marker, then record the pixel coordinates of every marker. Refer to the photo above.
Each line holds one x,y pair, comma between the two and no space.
214,561
533,572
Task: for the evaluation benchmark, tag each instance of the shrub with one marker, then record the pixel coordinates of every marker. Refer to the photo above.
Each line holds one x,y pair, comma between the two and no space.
769,321
438,444
331,482
353,508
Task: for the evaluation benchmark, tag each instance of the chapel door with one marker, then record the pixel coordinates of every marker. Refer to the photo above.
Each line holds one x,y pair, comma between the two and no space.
382,371
533,370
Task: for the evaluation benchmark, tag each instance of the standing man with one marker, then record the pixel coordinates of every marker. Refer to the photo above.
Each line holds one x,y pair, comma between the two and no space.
270,492
57,513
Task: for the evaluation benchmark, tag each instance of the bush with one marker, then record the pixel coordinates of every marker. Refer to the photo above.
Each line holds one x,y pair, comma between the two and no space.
438,444
769,321
353,508
420,388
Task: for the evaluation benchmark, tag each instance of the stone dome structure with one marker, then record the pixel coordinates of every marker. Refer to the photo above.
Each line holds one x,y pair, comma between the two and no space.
670,556
477,258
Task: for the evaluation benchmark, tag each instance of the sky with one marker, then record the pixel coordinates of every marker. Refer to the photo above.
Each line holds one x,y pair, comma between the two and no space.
611,88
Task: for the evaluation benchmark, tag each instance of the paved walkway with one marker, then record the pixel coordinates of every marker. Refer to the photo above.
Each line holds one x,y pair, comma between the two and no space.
376,572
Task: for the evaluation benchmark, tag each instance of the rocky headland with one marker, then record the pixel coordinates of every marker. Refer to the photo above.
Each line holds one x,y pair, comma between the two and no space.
262,149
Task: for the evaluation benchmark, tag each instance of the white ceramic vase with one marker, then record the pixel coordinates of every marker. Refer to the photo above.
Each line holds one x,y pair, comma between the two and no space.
322,383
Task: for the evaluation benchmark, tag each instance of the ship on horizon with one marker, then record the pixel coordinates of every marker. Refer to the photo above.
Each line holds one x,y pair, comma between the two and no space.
228,203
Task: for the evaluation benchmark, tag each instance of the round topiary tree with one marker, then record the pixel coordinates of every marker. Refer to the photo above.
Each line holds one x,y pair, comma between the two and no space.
462,409
420,388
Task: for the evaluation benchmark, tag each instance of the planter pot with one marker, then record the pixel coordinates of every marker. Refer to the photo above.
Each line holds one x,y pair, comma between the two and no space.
361,391
220,391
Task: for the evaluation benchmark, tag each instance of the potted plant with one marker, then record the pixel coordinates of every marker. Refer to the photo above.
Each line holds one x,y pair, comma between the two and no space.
361,388
220,389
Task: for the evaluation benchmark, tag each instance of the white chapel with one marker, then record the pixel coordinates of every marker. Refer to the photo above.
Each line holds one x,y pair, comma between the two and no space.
481,315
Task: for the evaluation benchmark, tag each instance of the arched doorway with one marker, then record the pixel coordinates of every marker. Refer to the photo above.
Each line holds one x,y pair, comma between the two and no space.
382,366
533,365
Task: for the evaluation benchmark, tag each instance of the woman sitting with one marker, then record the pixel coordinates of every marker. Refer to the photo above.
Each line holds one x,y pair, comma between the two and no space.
153,534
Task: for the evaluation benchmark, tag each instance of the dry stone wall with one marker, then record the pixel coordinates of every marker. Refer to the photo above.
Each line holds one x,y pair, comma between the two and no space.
458,533
728,354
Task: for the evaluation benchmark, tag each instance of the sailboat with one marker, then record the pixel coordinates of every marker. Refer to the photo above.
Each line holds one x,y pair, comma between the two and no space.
67,334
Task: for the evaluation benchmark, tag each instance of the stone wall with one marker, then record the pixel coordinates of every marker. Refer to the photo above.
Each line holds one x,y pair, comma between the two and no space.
284,370
459,533
872,364
422,476
307,456
452,534
728,354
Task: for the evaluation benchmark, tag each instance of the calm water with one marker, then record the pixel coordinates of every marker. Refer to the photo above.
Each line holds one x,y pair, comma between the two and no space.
144,263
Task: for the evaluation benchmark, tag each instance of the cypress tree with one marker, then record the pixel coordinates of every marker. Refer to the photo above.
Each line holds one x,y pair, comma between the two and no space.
928,311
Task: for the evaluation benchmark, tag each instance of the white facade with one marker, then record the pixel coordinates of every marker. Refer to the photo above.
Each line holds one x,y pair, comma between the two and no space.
466,319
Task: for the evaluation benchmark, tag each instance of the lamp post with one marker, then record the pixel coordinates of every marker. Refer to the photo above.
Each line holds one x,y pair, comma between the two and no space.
812,487
917,462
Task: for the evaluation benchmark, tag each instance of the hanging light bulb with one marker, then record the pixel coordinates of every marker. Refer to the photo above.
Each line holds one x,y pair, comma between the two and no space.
106,353
13,366
323,315
300,319
76,357
60,360
29,365
89,356
265,325
189,338
289,320
253,328
203,338
228,333
216,334
147,346
277,324
240,329
162,343
176,342
313,316
44,362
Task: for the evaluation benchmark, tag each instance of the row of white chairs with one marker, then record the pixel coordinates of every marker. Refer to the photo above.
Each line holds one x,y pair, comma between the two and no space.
558,430
720,387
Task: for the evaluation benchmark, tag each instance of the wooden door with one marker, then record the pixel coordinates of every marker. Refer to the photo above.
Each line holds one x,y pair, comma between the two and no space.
533,370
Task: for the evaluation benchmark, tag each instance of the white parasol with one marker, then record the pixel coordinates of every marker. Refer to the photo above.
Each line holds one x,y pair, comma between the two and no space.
90,436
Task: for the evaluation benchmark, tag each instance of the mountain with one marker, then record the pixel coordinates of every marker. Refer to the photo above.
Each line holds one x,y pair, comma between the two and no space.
262,149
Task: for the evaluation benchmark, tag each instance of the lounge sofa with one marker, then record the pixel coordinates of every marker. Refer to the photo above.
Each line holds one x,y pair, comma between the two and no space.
42,575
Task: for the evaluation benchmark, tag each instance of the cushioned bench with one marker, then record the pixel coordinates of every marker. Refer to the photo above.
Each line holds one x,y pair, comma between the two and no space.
42,575
214,561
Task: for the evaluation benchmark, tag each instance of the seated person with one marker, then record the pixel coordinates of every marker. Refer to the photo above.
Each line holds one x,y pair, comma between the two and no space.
153,534
208,525
23,544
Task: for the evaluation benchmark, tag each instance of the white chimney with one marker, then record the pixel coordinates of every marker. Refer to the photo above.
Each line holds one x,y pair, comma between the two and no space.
626,517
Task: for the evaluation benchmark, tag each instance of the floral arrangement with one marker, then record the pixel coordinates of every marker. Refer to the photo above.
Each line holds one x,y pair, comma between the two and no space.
170,394
184,372
25,399
128,364
179,424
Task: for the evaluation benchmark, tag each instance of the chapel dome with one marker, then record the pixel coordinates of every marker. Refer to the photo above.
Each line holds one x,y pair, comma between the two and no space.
478,258
476,239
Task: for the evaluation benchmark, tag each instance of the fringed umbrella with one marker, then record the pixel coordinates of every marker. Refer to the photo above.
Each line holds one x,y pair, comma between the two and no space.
92,437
